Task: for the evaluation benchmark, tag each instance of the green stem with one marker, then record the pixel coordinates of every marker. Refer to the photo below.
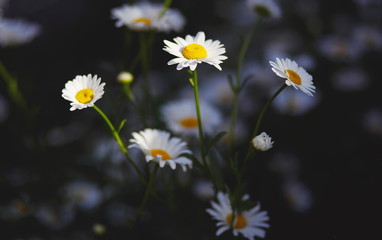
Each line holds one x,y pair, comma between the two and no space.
149,190
237,86
261,116
198,115
120,143
166,6
13,88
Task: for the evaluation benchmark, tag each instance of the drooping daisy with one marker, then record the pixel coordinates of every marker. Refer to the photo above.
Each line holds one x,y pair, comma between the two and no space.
249,223
180,117
16,31
159,146
147,16
295,76
265,8
191,51
262,142
83,91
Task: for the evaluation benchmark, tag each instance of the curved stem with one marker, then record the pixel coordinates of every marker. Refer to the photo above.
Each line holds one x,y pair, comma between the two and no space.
120,143
261,116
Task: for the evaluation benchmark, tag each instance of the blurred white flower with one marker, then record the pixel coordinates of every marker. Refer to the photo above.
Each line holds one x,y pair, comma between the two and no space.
203,189
265,8
350,79
55,217
298,196
180,117
372,121
15,32
338,48
147,16
82,194
191,51
294,102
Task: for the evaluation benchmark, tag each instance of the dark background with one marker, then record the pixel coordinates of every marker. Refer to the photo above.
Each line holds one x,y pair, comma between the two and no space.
340,160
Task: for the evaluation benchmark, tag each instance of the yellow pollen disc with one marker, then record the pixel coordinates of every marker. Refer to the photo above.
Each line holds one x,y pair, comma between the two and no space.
144,20
194,51
189,122
85,95
163,153
240,221
293,76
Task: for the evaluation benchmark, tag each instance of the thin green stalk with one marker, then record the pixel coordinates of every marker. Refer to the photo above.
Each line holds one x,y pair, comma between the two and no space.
149,189
13,88
261,116
120,143
236,87
198,115
166,6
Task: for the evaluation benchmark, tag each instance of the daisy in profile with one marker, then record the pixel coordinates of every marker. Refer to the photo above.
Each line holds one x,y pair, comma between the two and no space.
262,142
159,146
180,117
249,223
295,76
191,51
16,31
145,16
265,8
83,91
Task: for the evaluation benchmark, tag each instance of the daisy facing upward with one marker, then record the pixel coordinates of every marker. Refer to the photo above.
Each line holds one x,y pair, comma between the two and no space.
83,91
191,51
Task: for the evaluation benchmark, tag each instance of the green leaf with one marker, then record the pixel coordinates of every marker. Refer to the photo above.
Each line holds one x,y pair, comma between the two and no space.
121,125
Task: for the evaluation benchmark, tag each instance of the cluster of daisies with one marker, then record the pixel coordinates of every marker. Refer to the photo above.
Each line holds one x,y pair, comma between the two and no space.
160,146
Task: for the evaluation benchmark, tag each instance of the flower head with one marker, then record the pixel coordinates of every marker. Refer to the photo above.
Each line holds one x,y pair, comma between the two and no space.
83,91
158,146
265,8
249,223
191,51
16,31
147,16
262,142
295,76
180,116
125,77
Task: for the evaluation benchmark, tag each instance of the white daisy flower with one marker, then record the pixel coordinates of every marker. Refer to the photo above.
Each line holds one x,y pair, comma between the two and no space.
191,51
147,16
295,76
265,8
17,31
249,223
262,142
180,117
83,91
158,146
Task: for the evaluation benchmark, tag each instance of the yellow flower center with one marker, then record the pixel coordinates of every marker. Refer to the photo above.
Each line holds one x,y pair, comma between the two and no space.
240,221
85,95
163,153
194,51
293,76
143,20
189,122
